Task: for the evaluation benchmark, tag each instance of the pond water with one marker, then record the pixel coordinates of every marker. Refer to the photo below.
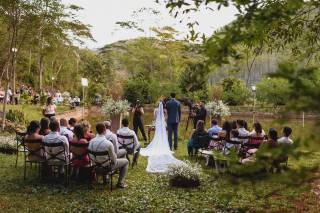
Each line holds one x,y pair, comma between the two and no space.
295,124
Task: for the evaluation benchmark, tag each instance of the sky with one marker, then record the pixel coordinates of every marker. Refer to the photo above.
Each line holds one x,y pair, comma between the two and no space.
102,15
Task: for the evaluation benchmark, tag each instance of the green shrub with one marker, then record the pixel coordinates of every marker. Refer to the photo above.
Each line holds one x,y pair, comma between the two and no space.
273,91
15,116
138,88
235,91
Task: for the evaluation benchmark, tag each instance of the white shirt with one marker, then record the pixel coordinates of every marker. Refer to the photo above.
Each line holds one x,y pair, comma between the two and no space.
243,133
101,144
285,140
65,131
55,137
254,134
125,131
110,136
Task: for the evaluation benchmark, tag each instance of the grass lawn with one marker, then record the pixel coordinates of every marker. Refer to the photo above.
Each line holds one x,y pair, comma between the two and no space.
33,111
286,192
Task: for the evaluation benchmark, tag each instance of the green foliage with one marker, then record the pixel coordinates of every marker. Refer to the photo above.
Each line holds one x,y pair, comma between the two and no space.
15,116
137,88
304,84
234,91
273,91
193,81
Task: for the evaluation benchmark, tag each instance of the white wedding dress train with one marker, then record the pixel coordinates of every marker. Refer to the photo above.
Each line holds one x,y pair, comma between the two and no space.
158,151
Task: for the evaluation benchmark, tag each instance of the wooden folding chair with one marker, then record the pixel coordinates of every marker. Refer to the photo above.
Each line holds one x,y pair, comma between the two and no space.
56,157
102,167
33,154
127,143
19,143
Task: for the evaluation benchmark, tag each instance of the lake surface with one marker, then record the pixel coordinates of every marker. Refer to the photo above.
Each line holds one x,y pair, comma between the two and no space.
295,124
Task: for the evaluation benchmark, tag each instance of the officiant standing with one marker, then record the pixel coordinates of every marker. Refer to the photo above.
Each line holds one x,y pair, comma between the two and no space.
137,119
174,117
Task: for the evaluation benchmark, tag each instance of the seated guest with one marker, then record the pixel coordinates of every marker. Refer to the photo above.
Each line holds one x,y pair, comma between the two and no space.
272,138
193,142
55,137
33,134
44,126
114,140
72,123
215,129
286,134
49,109
125,131
79,139
64,129
101,144
242,130
257,132
226,129
234,125
87,130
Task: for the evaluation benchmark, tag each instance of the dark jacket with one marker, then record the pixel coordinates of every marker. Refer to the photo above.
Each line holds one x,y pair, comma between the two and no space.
174,111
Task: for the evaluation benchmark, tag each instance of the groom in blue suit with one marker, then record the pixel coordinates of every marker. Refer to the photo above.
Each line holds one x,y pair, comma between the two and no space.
174,115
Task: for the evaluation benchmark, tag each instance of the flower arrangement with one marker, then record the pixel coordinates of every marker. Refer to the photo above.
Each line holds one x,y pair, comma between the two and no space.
218,108
184,175
7,144
112,107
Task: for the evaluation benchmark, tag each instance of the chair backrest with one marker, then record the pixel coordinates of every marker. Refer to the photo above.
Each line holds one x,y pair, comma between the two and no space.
20,136
201,141
78,150
125,141
33,148
55,151
100,158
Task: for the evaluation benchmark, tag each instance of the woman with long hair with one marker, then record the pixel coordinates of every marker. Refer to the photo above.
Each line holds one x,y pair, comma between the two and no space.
49,110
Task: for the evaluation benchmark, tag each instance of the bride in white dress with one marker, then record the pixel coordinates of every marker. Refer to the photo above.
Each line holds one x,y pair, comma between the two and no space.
158,151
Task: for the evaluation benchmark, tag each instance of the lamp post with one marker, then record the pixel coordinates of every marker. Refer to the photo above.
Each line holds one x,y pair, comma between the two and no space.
14,52
52,80
84,83
254,89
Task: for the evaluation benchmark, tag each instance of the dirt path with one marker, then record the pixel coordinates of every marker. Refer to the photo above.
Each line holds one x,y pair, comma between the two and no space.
77,113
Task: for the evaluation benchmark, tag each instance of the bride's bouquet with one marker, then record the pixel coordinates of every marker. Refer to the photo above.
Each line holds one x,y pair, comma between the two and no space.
218,108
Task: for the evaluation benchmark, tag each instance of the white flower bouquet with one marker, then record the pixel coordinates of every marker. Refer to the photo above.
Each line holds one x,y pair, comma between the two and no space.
184,175
218,108
112,107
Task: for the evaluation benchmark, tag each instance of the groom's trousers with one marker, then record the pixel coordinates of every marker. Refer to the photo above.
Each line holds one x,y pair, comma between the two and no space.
173,127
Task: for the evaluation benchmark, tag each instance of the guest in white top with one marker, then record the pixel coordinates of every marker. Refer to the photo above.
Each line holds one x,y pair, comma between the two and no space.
215,129
101,144
114,140
64,129
49,109
125,131
55,137
285,139
242,130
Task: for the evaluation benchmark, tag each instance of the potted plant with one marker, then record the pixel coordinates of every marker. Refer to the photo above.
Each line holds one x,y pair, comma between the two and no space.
184,175
217,110
115,110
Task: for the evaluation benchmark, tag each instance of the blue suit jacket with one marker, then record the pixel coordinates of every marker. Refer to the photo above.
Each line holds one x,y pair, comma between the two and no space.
174,111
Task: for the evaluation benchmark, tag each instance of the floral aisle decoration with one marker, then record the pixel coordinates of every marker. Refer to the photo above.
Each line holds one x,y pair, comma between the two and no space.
115,110
218,109
184,175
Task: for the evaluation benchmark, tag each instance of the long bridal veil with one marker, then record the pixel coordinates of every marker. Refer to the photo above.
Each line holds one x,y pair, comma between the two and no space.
158,151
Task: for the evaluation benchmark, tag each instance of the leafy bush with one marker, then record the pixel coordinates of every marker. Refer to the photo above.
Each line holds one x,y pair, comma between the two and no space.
43,99
193,81
15,116
138,88
235,91
25,98
274,91
184,175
